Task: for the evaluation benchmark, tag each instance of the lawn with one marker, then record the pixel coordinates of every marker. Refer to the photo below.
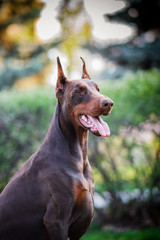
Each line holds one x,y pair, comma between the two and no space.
113,234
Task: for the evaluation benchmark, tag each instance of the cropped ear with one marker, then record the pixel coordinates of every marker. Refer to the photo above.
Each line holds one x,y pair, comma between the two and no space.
84,73
61,80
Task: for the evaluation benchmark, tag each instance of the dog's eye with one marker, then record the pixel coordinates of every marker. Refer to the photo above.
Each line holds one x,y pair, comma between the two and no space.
80,90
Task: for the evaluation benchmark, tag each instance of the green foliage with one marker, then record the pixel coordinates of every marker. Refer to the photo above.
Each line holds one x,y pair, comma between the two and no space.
126,160
24,120
127,157
144,234
136,98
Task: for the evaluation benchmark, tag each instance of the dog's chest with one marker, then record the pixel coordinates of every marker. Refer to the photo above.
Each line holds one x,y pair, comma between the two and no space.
83,198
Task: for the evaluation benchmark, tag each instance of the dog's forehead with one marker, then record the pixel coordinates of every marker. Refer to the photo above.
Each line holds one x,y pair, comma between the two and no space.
85,82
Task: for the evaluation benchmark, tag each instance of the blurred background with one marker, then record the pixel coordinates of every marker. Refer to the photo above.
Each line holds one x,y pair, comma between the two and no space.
120,42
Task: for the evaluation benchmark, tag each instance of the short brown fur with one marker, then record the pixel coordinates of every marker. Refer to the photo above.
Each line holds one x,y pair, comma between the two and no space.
51,196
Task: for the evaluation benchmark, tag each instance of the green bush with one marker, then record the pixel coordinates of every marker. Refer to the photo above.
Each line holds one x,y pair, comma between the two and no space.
25,116
136,98
127,157
124,161
130,158
24,120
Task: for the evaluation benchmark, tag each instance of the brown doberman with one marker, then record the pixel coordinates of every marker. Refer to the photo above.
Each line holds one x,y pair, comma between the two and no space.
51,196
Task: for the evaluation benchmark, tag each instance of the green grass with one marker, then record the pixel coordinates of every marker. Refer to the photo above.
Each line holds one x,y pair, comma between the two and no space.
144,234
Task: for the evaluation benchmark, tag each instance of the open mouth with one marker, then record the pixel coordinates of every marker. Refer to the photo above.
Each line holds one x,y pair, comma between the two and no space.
95,125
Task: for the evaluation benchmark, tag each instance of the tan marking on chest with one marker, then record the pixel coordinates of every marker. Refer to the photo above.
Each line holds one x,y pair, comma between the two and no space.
80,191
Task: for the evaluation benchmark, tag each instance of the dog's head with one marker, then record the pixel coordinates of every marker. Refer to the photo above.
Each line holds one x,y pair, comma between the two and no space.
82,102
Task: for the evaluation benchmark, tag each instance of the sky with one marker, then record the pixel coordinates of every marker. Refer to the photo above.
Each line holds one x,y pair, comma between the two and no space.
48,26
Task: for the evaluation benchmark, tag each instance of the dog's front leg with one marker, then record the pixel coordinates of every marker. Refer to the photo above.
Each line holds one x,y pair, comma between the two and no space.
56,229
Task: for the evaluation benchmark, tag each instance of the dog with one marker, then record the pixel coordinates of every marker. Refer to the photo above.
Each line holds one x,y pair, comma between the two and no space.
51,196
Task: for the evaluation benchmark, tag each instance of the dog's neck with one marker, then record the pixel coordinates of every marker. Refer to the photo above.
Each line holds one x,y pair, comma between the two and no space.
74,140
77,137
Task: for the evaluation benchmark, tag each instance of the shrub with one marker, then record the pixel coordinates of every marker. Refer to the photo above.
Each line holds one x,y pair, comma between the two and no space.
129,159
24,120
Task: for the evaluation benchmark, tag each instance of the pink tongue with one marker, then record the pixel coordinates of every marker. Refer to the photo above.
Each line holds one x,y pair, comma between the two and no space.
97,124
102,127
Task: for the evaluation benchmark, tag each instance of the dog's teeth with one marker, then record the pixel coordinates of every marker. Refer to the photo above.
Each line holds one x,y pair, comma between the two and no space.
84,118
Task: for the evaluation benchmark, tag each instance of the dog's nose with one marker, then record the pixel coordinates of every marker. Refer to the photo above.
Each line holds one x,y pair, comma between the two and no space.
106,103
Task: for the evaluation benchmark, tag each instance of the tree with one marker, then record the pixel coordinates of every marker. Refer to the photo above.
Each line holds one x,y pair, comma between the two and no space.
142,51
21,54
76,27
